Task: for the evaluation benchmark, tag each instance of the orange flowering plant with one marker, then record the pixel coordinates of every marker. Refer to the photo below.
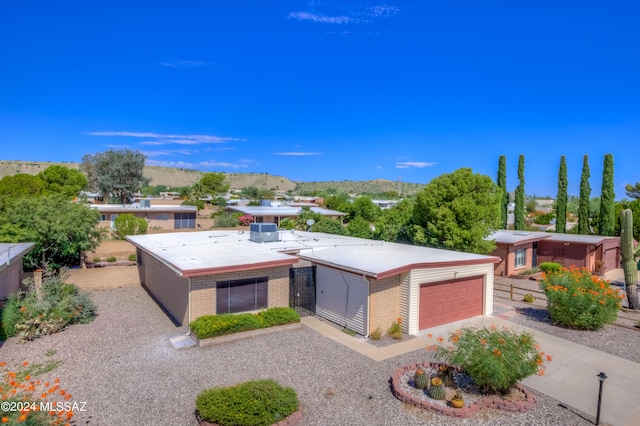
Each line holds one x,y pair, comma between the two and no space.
578,299
30,401
495,359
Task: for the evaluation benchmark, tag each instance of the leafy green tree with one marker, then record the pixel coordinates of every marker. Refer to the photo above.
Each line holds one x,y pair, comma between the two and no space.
339,202
63,180
359,227
519,223
457,211
392,224
61,230
606,219
214,183
365,208
561,200
585,194
329,226
502,184
633,191
128,224
21,184
531,205
119,174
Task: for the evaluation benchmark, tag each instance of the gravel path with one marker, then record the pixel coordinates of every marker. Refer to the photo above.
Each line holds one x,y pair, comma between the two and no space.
123,367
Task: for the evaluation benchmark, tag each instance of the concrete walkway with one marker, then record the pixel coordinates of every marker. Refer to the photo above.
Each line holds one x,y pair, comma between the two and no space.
571,377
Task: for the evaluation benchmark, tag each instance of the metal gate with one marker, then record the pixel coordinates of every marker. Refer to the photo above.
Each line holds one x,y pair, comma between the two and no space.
302,290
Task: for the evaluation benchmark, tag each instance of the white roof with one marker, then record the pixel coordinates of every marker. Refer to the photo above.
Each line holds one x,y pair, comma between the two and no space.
11,251
119,208
282,211
518,237
212,252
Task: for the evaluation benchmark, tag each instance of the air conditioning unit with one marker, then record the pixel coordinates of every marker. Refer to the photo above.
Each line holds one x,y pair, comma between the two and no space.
263,232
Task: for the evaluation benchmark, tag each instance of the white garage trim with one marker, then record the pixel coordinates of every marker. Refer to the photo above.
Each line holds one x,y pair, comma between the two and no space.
410,288
343,297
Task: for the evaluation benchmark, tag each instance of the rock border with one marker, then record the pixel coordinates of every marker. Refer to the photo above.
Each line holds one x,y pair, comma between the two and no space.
291,420
245,334
493,401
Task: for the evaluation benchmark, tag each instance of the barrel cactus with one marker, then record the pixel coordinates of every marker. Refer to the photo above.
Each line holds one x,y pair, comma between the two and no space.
437,390
446,375
421,379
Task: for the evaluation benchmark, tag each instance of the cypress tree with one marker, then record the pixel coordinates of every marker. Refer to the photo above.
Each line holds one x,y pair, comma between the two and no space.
561,200
607,199
502,184
519,224
585,194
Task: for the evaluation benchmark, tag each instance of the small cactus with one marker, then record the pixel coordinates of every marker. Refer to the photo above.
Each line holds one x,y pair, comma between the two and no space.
437,390
446,375
421,379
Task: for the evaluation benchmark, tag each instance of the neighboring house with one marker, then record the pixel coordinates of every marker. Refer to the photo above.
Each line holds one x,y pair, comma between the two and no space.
11,255
385,204
158,216
522,250
360,284
544,205
276,214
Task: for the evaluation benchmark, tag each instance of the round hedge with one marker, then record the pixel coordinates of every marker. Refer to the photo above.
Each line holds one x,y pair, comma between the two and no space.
254,403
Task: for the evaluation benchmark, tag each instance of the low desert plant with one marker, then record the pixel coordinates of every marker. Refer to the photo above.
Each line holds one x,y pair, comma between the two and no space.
529,271
349,331
529,298
255,403
219,325
111,259
495,359
550,267
96,259
132,257
395,330
376,334
578,299
226,220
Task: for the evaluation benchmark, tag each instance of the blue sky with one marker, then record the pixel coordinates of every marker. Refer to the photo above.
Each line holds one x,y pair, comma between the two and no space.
327,90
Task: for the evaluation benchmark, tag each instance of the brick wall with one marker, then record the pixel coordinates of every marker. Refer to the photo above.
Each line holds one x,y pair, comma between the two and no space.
384,302
169,289
203,289
104,278
501,251
10,278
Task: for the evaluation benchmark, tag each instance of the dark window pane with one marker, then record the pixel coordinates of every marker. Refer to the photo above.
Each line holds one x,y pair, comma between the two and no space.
243,295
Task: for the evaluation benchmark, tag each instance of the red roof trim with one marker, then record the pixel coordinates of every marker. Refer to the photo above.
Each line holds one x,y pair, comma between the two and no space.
239,268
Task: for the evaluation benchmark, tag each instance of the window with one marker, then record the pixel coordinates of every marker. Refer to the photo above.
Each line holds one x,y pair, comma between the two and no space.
162,216
521,257
103,217
241,295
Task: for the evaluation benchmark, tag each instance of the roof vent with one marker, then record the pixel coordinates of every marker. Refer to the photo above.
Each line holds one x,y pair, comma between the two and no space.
263,232
524,234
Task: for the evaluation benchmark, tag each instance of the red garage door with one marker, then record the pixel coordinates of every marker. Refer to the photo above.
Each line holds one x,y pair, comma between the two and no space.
447,301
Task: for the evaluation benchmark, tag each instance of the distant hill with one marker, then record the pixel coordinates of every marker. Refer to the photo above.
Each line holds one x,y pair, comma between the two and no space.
173,177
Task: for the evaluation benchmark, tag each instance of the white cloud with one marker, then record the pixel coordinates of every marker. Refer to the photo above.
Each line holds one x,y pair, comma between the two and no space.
213,163
383,11
168,152
183,64
297,154
307,16
165,139
177,164
409,164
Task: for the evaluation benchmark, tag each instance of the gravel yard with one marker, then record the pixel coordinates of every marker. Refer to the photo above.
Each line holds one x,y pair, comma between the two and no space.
123,367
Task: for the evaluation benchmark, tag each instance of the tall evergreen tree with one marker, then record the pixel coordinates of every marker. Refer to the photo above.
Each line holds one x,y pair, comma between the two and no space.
561,200
519,212
502,184
607,199
585,194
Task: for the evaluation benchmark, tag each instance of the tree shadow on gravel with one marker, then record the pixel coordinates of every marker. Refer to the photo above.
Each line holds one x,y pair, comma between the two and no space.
535,314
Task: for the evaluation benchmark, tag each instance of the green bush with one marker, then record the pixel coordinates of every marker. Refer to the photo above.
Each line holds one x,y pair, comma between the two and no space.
395,330
255,403
96,259
220,325
226,220
31,314
111,259
577,299
550,267
128,224
132,257
529,271
495,359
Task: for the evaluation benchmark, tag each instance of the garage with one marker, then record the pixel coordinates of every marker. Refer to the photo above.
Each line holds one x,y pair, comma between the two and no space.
342,297
447,301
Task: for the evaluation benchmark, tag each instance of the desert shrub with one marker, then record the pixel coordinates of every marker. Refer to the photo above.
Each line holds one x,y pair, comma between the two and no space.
96,259
495,359
225,220
577,299
128,224
395,330
132,257
287,224
219,325
255,403
111,259
246,220
550,267
376,334
529,271
31,314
